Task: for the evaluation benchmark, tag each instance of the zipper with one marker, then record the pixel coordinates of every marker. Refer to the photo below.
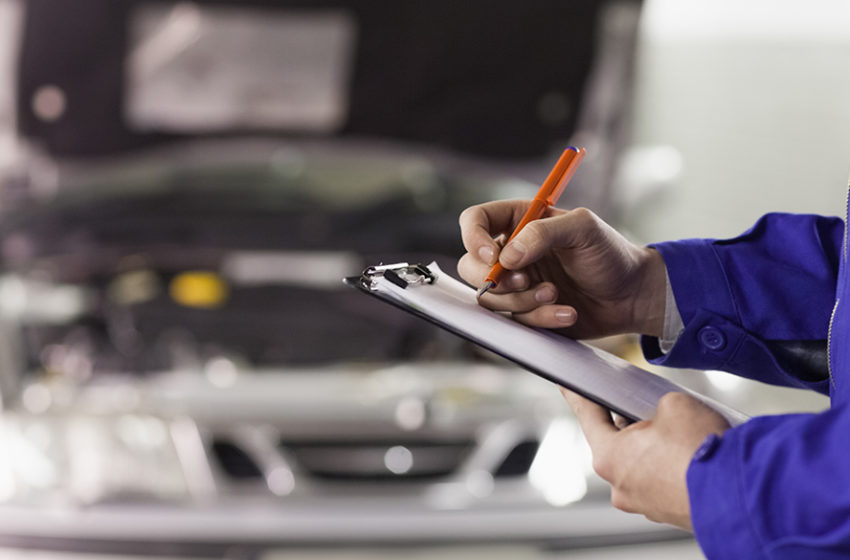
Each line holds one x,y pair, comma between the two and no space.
837,299
829,343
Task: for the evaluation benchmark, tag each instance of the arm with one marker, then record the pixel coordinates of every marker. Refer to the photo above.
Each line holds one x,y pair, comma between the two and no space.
757,305
775,487
765,485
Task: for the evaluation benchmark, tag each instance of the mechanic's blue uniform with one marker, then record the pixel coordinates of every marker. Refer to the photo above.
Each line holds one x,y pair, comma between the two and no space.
769,305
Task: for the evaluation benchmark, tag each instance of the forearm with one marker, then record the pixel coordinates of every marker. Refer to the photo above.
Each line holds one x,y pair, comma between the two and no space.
650,300
742,299
775,487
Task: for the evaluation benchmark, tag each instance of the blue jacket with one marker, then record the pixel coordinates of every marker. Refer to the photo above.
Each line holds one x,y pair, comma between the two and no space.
770,305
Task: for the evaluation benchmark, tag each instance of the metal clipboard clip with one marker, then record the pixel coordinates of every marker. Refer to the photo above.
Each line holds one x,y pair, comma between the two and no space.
400,274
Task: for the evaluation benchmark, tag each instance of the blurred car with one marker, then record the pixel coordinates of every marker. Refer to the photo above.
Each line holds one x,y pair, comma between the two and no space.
188,374
183,373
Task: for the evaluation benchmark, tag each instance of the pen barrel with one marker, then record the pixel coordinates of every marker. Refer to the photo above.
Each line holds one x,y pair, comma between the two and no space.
495,275
564,169
535,211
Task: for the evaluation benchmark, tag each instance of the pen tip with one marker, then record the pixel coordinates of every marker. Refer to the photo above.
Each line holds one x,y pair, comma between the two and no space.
487,285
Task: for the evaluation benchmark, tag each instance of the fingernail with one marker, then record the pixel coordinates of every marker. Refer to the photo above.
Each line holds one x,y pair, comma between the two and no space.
487,254
513,253
546,294
565,316
517,280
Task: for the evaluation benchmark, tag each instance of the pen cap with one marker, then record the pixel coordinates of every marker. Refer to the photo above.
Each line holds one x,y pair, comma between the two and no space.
561,174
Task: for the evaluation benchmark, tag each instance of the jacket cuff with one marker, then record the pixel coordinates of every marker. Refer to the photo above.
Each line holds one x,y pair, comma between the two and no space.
708,342
719,514
697,278
712,342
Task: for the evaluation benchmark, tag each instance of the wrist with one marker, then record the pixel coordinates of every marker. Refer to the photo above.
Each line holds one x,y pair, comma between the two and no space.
651,294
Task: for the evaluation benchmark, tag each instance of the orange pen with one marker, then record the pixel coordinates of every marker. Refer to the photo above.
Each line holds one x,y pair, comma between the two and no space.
547,196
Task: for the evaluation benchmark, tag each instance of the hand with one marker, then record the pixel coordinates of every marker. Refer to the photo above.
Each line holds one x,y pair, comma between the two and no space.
568,270
646,462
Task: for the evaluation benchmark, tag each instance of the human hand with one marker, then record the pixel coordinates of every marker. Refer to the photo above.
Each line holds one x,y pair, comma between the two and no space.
569,271
646,462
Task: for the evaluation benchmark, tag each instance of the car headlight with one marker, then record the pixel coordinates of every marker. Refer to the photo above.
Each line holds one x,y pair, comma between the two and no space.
89,458
562,464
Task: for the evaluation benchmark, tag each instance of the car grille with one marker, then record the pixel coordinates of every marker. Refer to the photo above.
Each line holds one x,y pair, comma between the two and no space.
365,459
371,460
235,461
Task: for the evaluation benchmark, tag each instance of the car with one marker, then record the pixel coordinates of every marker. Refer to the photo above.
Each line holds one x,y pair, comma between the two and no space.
184,373
192,375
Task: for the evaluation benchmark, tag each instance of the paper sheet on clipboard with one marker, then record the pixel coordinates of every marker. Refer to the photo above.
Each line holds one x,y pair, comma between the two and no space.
428,292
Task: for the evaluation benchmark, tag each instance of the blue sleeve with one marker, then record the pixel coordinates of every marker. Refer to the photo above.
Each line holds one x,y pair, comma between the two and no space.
774,488
758,305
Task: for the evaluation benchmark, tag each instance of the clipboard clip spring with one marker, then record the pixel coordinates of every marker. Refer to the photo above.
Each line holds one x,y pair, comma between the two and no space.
400,274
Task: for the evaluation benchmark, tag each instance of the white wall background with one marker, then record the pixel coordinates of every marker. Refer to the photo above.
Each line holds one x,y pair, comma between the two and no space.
755,97
10,16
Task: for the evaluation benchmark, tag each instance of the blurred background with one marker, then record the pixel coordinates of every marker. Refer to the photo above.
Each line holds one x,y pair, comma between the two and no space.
184,184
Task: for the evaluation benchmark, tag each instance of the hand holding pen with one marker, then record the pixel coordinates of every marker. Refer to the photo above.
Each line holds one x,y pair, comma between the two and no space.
548,195
563,269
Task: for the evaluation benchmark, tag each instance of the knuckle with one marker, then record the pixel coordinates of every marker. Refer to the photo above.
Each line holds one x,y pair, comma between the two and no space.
584,216
602,466
469,213
620,501
534,234
671,402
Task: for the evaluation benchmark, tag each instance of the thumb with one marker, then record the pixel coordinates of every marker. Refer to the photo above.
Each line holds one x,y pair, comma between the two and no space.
568,230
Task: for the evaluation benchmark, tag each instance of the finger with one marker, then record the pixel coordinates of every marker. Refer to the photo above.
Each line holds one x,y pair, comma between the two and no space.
680,408
472,270
571,229
521,302
595,420
621,421
475,272
480,223
548,316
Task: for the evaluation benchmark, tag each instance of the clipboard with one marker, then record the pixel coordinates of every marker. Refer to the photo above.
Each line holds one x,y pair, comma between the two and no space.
431,294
